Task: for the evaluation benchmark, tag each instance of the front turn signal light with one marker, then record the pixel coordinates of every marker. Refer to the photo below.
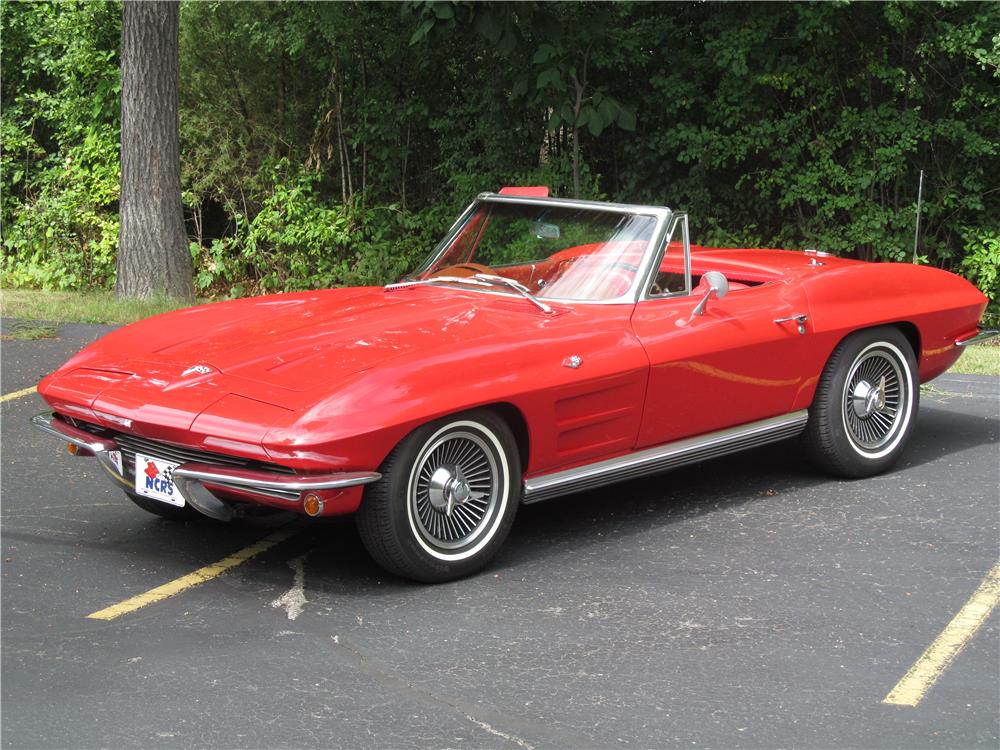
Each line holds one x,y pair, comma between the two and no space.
312,504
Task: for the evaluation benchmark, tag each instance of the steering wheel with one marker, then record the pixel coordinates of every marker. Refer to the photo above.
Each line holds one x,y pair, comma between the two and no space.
463,269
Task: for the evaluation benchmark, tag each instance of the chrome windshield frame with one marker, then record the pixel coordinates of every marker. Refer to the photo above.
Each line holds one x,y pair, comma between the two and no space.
678,220
661,214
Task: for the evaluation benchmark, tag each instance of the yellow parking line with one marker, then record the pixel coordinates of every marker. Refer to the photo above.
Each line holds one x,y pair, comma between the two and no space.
910,690
16,394
199,576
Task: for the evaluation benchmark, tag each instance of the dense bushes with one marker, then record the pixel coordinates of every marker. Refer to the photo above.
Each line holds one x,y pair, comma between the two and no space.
332,143
59,159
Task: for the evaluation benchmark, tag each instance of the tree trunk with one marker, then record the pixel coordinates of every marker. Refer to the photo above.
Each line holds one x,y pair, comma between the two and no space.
153,256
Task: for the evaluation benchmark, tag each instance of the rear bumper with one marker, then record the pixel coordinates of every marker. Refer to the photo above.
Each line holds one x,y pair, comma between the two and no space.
985,334
200,483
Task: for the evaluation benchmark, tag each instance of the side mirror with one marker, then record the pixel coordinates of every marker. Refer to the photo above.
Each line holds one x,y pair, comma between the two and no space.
718,285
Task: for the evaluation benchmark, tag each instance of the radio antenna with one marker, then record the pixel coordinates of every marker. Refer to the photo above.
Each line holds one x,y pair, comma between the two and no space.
920,198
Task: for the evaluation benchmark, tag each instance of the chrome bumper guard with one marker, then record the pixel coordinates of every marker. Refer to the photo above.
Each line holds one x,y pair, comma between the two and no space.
192,477
49,424
985,334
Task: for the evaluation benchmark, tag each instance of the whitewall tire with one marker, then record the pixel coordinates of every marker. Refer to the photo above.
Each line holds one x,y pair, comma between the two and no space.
865,404
447,498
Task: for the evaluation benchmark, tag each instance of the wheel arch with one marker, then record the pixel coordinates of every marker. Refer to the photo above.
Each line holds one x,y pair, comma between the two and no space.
912,334
508,412
909,330
518,425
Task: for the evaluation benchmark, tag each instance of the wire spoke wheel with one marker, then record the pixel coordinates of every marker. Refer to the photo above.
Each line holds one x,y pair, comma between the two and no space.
873,394
454,490
865,404
446,500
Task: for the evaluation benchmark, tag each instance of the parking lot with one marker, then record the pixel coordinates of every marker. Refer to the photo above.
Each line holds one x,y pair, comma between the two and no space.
742,602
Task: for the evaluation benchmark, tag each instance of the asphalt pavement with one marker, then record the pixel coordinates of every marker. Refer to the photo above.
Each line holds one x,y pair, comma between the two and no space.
742,602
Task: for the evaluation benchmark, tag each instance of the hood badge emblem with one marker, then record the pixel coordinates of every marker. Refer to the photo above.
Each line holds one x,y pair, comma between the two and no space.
200,369
572,362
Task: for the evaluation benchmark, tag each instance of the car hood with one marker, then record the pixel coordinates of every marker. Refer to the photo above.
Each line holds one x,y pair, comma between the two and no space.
286,350
306,341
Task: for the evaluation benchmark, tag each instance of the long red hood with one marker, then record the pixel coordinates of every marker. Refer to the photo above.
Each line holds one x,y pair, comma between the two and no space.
266,357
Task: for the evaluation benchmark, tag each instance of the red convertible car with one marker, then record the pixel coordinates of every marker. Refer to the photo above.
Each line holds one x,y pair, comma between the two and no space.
545,347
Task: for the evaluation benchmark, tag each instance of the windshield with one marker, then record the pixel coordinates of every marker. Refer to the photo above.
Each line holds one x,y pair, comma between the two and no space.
555,252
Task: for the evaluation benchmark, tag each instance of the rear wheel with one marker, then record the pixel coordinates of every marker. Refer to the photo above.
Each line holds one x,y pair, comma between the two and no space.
865,404
165,510
446,501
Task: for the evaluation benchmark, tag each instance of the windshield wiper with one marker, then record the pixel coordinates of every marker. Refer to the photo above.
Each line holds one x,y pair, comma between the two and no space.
480,279
518,287
434,280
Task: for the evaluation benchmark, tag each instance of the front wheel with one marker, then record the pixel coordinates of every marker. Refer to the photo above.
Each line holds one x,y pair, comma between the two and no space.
865,404
446,501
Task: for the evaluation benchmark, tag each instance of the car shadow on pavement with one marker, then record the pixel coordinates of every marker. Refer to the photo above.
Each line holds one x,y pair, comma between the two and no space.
721,485
576,524
542,533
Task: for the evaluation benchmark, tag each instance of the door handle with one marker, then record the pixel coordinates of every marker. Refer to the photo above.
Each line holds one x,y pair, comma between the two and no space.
799,318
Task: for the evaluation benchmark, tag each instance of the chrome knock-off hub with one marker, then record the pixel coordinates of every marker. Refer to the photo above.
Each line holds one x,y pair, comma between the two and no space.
867,398
455,489
448,488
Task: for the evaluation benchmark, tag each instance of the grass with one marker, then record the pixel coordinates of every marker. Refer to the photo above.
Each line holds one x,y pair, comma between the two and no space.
27,330
978,360
80,307
102,307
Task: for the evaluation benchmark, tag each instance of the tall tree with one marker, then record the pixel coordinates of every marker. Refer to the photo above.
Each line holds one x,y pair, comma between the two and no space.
153,257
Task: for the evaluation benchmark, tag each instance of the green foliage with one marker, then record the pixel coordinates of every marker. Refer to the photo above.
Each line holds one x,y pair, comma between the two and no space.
809,124
59,127
297,240
982,261
333,143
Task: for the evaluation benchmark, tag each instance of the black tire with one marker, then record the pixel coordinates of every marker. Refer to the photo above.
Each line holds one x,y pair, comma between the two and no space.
165,510
425,519
865,405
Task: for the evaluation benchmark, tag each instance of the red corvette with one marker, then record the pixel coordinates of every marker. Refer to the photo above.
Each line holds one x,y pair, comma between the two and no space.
545,347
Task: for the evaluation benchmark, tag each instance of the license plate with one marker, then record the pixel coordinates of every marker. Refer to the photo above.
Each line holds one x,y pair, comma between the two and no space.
155,478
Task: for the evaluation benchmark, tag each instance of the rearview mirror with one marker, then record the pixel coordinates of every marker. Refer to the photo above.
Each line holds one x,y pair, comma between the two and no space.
545,231
718,285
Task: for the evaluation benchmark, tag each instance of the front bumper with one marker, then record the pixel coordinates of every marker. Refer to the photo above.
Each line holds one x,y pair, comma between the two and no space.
201,483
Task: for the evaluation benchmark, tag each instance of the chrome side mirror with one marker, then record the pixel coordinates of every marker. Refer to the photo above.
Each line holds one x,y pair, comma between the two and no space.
718,285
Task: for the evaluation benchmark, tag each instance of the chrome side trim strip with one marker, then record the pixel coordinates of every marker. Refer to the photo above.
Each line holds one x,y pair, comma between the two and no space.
50,424
664,457
985,334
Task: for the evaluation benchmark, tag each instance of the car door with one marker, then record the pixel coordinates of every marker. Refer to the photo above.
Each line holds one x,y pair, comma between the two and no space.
730,365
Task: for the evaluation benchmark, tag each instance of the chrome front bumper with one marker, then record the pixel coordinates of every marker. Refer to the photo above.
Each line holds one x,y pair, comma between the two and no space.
283,490
49,423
